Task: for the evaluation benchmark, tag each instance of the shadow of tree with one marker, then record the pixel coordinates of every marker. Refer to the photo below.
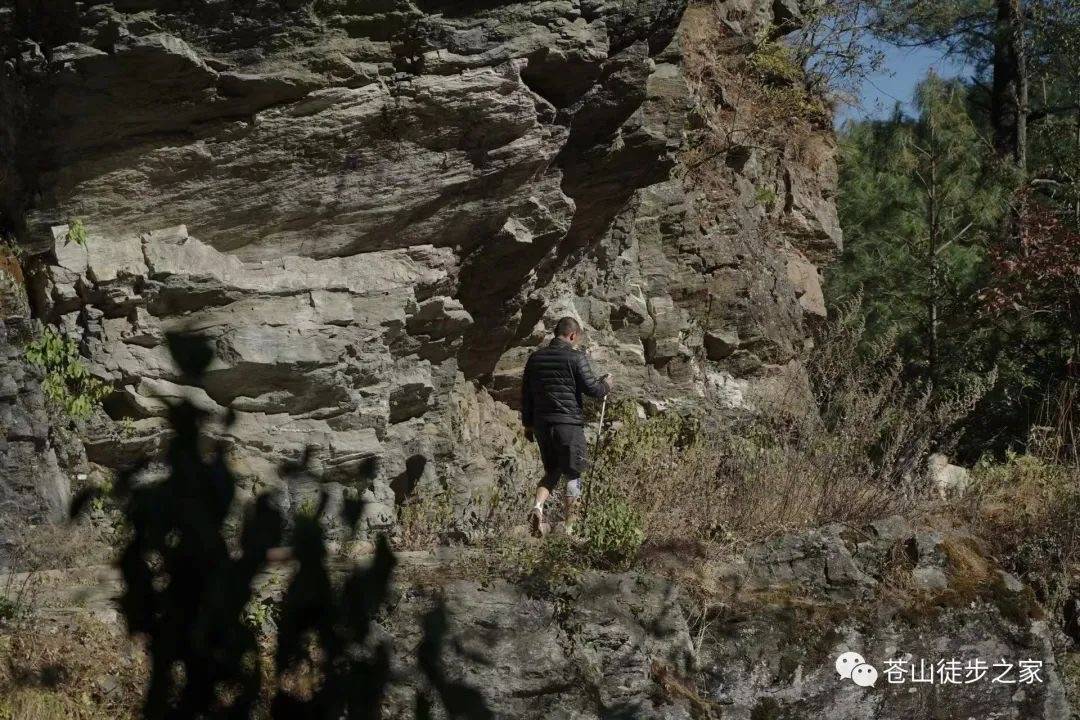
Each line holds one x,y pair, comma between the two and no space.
185,592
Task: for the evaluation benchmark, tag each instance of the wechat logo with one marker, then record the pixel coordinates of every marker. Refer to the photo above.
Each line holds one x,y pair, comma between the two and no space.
853,666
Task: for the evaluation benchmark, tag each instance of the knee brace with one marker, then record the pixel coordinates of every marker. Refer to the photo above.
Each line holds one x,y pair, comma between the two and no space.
573,487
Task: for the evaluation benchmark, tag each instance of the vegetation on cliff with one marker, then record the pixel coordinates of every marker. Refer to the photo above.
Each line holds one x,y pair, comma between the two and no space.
772,462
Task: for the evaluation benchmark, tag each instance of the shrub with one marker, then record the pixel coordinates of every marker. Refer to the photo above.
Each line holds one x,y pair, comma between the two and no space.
1029,508
547,565
639,471
68,382
785,90
612,530
774,63
855,459
426,520
9,609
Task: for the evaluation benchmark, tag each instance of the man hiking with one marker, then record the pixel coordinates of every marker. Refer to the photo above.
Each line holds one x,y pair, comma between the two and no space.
556,377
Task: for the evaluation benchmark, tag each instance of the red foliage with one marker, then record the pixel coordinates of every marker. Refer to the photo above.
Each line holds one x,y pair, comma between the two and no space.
1042,273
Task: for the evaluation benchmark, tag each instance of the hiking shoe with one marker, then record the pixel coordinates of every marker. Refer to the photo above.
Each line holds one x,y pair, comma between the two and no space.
536,522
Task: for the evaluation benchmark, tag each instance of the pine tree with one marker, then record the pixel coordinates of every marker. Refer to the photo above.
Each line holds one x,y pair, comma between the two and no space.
916,208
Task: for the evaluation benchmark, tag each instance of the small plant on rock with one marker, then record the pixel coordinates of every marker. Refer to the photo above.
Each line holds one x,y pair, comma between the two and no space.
766,197
261,615
545,566
127,428
785,86
68,382
76,233
775,63
9,609
426,519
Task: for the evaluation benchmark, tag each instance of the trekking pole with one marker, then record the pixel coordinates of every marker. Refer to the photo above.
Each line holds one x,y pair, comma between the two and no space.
600,427
596,453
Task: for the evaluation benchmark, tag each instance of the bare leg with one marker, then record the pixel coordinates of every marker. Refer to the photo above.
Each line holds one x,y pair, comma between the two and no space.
542,495
536,515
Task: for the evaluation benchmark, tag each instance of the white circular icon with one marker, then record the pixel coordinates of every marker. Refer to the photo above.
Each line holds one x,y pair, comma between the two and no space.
847,662
864,675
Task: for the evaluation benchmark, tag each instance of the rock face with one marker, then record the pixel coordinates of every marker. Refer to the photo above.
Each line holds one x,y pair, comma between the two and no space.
36,462
591,651
760,641
376,209
903,599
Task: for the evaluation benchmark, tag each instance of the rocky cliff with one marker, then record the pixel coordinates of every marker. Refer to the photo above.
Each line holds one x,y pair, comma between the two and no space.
36,460
755,638
376,209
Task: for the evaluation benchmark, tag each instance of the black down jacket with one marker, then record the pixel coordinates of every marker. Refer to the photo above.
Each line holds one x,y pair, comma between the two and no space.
556,377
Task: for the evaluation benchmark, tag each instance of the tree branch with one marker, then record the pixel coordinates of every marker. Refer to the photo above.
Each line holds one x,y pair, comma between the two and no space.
1043,113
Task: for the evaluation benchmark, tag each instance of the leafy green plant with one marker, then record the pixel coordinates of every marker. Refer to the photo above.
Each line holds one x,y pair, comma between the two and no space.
127,428
100,503
76,233
765,197
68,382
258,614
640,439
775,63
9,609
613,530
547,565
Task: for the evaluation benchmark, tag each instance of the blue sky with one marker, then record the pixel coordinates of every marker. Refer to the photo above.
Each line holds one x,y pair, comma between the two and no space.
903,69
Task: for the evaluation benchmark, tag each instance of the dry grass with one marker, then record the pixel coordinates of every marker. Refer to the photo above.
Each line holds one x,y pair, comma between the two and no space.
1028,508
75,669
425,521
428,520
747,92
1022,515
857,459
61,665
63,545
681,690
702,490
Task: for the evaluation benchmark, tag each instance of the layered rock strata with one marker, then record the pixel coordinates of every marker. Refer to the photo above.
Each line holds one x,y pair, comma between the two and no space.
377,209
